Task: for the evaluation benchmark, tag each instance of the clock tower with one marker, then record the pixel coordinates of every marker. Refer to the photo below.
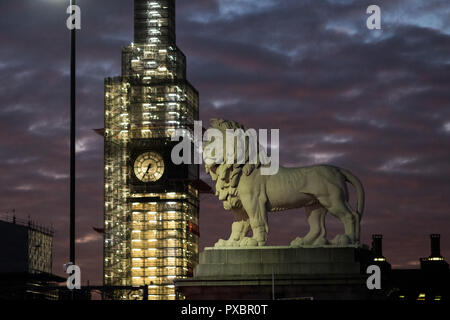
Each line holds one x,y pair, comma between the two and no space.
151,204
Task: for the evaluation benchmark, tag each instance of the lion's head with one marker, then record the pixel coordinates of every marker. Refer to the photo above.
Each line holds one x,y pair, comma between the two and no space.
225,173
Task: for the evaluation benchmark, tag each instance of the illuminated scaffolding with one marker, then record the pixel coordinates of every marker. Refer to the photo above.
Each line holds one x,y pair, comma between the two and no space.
151,230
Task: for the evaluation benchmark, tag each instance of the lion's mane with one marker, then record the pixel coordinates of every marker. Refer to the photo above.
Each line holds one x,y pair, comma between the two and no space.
228,175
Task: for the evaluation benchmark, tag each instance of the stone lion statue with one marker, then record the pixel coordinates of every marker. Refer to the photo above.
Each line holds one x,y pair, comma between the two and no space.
250,196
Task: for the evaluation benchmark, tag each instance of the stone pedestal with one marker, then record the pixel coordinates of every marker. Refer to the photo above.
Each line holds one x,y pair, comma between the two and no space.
283,272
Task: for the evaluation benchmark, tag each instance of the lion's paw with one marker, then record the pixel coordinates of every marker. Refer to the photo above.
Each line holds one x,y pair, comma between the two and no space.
248,242
341,240
233,243
220,244
322,241
226,243
297,242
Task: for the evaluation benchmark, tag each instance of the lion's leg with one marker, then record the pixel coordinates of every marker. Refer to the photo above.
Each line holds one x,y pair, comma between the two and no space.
259,232
317,232
322,238
257,212
336,203
342,211
314,217
239,229
357,225
353,221
240,226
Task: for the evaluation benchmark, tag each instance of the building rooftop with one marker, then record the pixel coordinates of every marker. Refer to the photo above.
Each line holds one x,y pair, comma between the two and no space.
28,223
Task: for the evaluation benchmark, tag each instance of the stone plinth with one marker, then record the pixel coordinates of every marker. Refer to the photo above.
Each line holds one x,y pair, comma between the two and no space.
294,273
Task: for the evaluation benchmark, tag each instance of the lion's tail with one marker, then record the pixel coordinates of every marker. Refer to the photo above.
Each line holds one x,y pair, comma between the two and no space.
350,177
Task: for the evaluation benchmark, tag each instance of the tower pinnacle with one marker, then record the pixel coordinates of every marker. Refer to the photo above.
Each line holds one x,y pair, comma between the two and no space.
154,22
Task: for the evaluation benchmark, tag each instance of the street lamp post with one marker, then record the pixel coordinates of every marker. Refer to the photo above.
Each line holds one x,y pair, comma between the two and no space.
72,136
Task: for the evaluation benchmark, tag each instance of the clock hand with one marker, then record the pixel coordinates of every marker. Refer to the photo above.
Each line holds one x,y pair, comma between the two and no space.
148,168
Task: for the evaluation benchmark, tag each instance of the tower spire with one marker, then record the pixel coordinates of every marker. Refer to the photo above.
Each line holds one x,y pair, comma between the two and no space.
154,22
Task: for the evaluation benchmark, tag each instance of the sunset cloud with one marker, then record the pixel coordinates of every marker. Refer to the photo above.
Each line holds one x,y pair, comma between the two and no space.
377,103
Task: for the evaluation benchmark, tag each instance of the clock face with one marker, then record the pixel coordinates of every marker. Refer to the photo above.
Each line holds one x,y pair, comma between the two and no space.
149,167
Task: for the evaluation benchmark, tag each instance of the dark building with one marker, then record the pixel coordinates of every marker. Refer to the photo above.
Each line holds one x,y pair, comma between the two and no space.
377,253
435,262
26,261
429,283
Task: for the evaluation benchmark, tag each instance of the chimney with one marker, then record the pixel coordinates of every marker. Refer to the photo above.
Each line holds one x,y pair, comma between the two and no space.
435,245
377,245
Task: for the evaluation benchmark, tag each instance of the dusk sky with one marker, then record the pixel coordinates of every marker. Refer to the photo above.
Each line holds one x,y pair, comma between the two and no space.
376,102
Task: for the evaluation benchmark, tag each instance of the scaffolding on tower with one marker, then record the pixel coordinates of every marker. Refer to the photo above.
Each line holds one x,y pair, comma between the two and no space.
151,237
